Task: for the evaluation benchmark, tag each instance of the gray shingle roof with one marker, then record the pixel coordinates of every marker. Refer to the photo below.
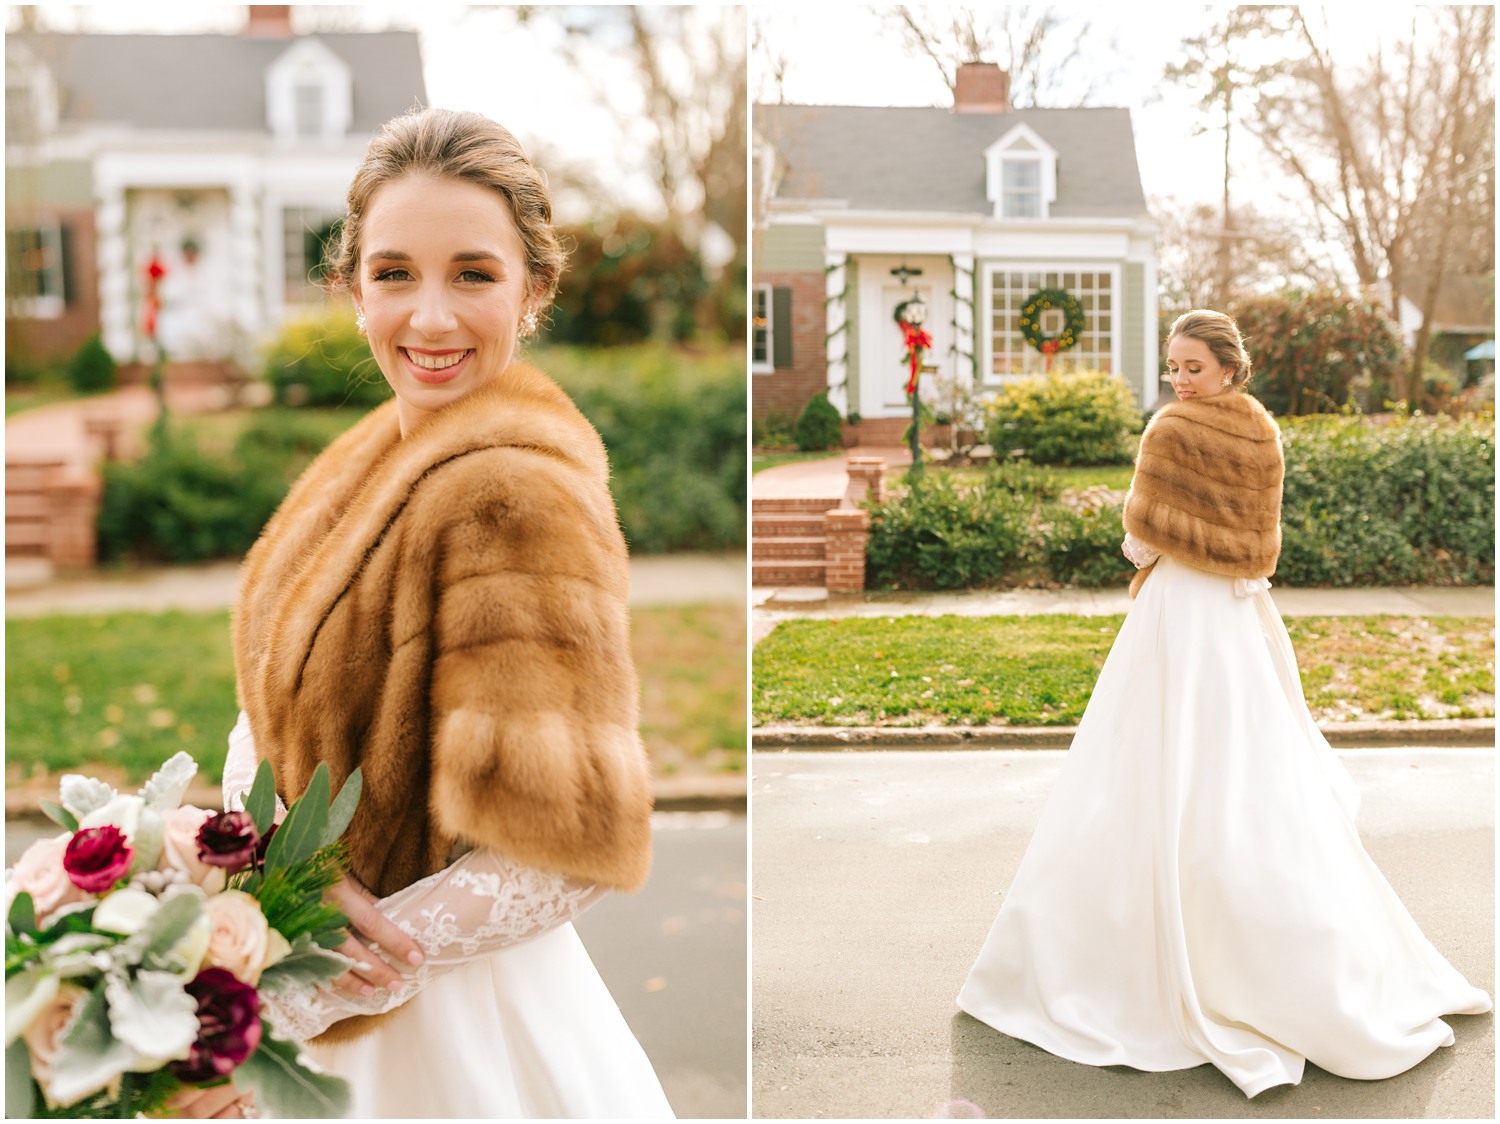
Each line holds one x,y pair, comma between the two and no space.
215,82
930,159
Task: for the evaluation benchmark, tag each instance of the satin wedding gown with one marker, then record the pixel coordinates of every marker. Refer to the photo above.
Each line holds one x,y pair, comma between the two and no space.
507,1018
1196,890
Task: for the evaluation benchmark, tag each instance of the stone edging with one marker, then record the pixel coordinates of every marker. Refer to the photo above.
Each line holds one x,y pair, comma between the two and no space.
1474,732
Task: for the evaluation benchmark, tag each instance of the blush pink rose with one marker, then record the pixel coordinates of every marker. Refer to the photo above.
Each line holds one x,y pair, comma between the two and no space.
44,1035
40,873
179,849
240,940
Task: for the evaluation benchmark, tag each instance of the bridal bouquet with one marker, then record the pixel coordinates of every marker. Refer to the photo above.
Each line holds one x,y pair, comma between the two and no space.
139,942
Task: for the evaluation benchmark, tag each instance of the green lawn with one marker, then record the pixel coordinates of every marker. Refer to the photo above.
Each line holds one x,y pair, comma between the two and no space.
760,459
1116,476
115,695
18,398
1040,670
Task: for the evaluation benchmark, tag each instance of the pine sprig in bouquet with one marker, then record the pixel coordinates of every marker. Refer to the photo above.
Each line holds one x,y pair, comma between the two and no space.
139,942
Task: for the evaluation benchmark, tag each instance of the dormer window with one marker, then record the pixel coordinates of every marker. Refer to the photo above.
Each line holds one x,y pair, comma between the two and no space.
30,97
309,93
1021,175
1021,188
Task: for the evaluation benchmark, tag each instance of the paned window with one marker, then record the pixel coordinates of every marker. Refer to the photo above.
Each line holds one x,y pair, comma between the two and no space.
760,328
308,107
1021,189
309,236
34,265
1011,356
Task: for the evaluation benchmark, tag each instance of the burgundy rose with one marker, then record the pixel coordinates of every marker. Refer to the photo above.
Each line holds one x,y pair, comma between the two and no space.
227,840
97,858
228,1027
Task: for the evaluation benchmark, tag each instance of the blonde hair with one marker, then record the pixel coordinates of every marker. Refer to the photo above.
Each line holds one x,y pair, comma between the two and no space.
465,146
1222,335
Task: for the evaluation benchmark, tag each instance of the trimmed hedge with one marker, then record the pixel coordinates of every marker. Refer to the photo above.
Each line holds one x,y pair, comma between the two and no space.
819,426
1073,419
1412,502
1408,503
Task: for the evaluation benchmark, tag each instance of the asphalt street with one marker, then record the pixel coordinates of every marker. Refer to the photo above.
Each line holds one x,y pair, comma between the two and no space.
878,874
673,955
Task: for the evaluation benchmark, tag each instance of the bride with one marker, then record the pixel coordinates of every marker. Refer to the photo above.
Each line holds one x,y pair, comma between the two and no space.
1196,890
441,602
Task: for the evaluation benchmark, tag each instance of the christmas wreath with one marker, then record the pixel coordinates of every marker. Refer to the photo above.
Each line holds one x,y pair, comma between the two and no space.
916,341
1031,316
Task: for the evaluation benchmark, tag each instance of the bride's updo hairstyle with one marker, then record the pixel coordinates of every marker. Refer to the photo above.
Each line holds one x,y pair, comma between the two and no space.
459,145
1222,335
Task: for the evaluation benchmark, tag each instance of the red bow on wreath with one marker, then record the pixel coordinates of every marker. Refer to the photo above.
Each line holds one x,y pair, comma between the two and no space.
1049,349
917,341
155,271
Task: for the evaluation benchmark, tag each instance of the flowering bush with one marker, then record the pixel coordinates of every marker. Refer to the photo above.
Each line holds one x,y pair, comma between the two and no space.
1073,419
138,944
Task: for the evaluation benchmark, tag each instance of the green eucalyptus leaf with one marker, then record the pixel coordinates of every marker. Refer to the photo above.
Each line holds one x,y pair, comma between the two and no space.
261,803
287,1088
306,965
342,810
59,815
22,916
168,925
301,833
20,1090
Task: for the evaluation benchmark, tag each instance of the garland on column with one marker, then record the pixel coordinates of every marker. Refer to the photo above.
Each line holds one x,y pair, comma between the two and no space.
973,313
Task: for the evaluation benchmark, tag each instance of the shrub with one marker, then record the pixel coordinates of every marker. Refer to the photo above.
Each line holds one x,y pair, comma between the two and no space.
1074,419
774,430
947,534
1313,350
674,424
1082,548
819,426
92,368
321,360
1411,502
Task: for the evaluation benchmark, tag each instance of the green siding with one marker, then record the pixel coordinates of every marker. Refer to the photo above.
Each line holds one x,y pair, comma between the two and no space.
1133,304
851,334
65,183
788,249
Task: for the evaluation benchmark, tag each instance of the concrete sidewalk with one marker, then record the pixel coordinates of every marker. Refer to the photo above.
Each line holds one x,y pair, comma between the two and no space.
30,591
773,604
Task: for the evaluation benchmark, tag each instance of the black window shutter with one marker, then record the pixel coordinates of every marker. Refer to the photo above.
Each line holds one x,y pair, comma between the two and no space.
70,287
781,327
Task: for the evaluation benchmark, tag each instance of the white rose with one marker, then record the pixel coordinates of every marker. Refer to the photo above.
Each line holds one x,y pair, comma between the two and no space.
125,911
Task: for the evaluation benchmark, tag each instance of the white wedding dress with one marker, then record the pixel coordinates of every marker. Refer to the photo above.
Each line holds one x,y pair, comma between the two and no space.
1196,890
507,1018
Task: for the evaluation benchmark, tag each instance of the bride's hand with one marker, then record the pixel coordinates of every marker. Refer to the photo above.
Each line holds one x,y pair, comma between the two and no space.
219,1102
358,904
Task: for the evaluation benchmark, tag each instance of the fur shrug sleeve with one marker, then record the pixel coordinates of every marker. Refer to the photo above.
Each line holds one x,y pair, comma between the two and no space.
1207,487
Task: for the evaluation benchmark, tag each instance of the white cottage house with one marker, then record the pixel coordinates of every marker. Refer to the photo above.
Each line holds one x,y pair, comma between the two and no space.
226,157
975,209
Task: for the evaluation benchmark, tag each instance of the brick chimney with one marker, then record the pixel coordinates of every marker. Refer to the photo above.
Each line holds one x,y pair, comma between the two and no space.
981,87
269,21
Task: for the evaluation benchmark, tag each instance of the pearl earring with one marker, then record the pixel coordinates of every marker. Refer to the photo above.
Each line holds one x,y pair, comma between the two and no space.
528,323
359,319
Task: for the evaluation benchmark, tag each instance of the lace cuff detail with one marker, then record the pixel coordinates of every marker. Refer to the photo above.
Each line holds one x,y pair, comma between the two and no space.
480,904
1249,587
1139,554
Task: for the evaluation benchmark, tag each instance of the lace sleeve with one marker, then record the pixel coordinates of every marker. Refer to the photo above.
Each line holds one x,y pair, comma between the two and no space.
480,904
1139,554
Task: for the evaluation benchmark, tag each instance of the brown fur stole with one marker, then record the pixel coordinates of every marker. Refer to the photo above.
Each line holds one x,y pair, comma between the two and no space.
1207,487
448,612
